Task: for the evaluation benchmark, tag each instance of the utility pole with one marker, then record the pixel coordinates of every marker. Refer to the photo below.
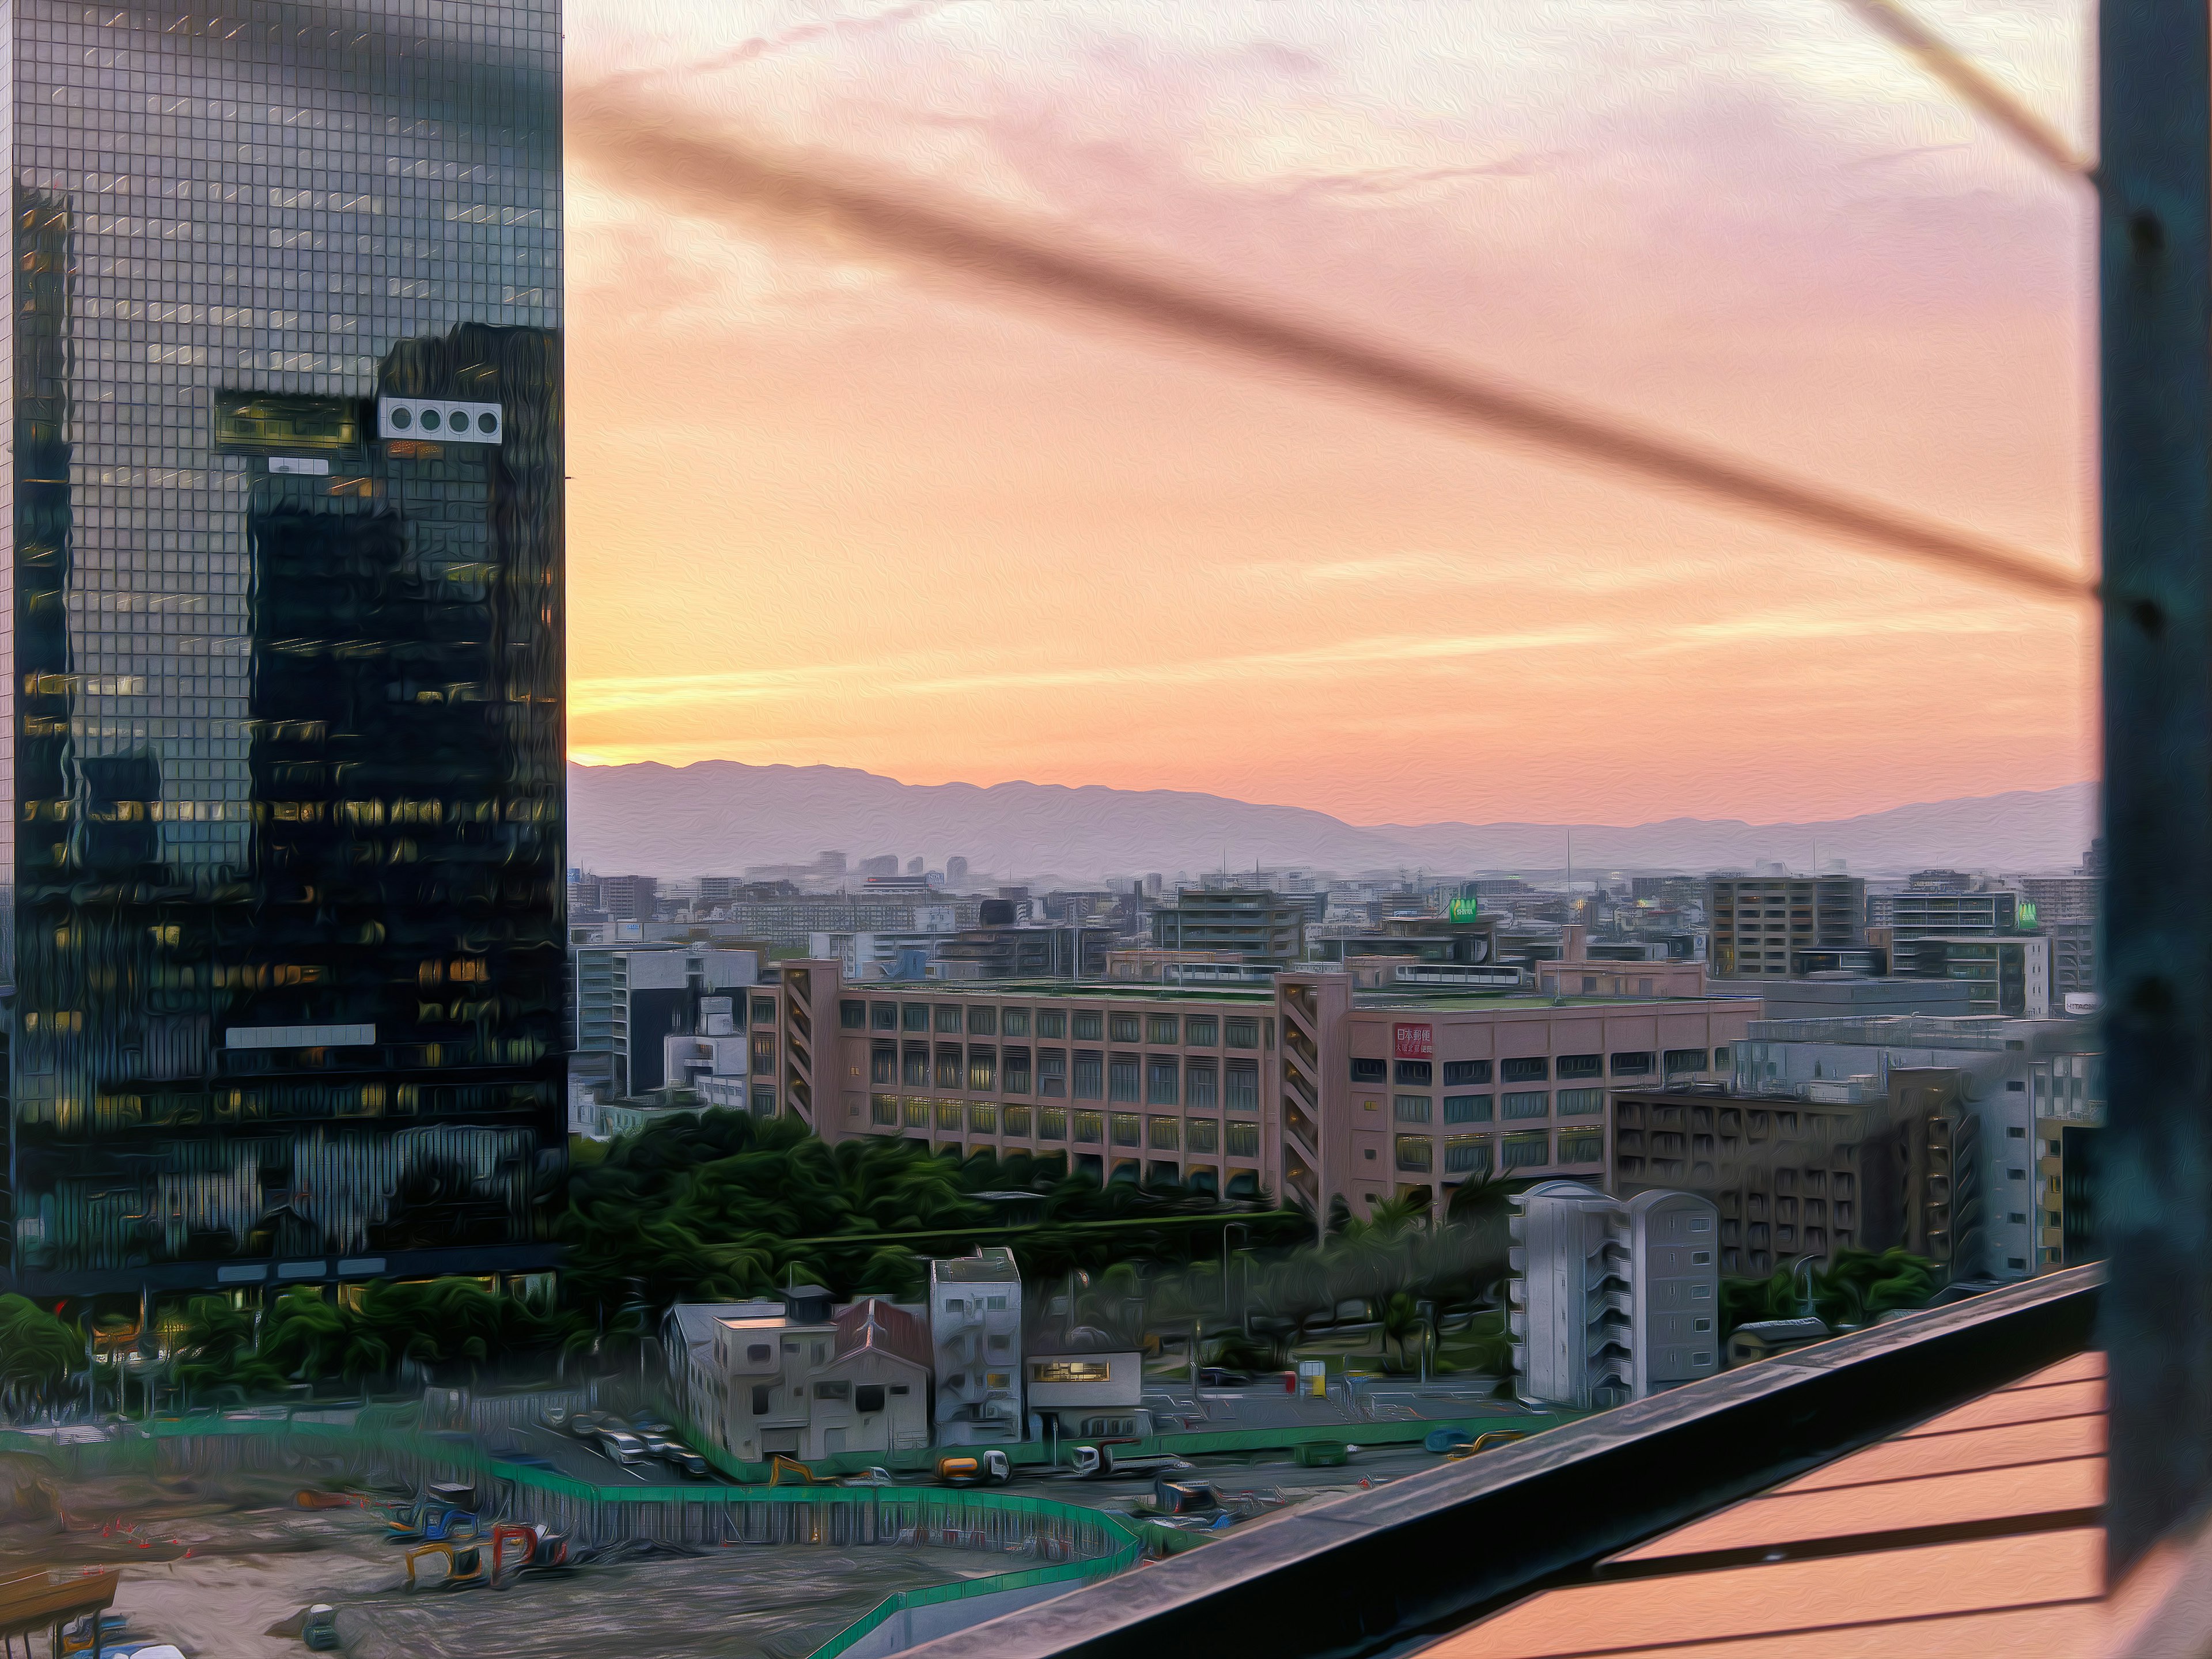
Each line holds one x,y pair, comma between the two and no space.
2154,1174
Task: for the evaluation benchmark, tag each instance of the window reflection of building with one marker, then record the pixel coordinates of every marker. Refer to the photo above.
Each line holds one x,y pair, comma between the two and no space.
286,778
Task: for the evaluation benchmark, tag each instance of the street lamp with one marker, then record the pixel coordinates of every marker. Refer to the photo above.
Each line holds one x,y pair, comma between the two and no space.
1805,1266
1239,1227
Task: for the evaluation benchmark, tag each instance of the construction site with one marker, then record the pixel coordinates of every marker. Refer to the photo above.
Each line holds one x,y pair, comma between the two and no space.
383,1530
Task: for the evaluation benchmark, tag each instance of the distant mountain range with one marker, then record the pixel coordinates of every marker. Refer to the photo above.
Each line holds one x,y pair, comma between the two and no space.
715,817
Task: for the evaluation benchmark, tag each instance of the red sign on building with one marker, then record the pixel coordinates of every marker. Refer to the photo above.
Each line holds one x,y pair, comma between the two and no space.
1416,1041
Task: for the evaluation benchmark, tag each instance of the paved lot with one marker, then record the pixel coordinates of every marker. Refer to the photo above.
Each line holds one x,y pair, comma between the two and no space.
584,1461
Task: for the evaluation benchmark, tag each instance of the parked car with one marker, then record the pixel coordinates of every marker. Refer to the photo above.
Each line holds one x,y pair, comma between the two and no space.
658,1443
585,1425
624,1447
686,1462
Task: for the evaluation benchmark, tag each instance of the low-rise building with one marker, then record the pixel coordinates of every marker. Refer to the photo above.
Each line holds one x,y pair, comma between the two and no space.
712,1062
1951,913
1265,928
1024,950
1846,993
1597,977
1152,967
2003,975
792,1375
1469,941
1087,1395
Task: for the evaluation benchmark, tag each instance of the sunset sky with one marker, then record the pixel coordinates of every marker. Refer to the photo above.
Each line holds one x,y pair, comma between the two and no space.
830,508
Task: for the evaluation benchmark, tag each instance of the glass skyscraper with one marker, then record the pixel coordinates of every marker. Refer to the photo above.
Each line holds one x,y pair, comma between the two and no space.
283,687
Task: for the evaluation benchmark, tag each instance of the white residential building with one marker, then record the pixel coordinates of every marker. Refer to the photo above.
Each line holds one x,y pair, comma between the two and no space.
975,1337
1611,1300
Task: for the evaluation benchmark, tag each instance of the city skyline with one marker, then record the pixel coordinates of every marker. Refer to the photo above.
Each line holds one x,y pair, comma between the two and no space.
1149,568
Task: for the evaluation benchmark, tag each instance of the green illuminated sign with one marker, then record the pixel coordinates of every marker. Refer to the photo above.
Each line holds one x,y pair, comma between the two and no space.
2027,913
1466,910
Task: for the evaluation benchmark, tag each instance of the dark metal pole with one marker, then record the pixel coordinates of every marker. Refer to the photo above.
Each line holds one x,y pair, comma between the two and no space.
2155,1160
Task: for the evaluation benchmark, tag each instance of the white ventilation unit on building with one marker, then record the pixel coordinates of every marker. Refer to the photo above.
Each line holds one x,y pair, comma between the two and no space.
439,420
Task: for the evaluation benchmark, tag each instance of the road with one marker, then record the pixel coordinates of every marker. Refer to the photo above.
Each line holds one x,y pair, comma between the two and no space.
583,1461
1350,1402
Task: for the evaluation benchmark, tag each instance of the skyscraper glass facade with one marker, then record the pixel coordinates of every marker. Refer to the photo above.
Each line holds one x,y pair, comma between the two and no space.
283,679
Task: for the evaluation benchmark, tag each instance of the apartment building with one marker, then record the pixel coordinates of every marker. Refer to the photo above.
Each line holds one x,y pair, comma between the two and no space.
2060,899
1609,1300
1861,1163
2002,976
1263,927
975,1333
2069,1095
1305,1089
630,999
1757,921
1942,914
2009,1076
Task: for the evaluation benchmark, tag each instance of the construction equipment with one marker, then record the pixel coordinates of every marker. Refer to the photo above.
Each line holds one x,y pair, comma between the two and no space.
780,1465
1483,1443
535,1544
464,1565
79,1636
431,1522
990,1469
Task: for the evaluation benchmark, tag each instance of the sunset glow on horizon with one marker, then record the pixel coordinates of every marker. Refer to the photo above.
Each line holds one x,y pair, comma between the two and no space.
829,509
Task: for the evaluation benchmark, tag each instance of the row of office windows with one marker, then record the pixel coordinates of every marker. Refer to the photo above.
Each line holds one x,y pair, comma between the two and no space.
1078,1025
1538,1068
1482,1155
1514,1102
1201,1083
904,1113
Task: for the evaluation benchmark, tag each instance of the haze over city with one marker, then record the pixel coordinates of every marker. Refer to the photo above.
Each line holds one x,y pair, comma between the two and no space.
828,509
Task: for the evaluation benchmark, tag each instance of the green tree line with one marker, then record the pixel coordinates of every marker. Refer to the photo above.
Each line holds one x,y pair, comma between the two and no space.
724,1206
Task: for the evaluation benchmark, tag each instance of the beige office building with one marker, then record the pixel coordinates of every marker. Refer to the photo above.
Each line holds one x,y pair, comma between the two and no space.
1303,1090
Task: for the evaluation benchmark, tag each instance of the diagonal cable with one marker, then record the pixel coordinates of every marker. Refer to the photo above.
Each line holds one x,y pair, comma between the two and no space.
1963,76
723,177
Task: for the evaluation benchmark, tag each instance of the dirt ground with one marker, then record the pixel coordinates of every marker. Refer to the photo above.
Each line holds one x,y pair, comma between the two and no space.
212,1564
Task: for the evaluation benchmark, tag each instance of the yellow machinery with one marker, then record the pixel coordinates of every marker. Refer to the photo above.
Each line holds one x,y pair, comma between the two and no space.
1483,1443
990,1468
779,1465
